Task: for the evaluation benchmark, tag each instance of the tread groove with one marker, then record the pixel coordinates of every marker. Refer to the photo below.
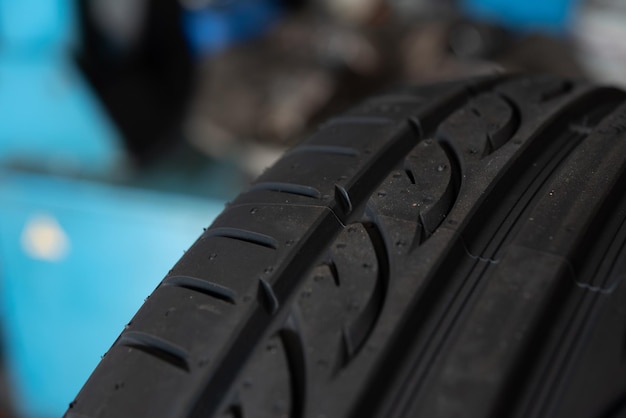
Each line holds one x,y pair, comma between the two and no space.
416,126
243,235
203,286
358,331
334,272
348,347
343,198
426,233
409,173
295,189
294,350
267,297
236,411
157,347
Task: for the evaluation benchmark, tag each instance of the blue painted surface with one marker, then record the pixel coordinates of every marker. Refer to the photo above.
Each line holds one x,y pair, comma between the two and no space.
48,115
61,315
212,29
524,15
50,119
35,26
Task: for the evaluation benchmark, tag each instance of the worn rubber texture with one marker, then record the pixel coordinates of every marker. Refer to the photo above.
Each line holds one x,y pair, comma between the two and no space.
455,250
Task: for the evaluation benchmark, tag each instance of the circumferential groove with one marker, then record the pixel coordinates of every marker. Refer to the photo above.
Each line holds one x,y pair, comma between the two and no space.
296,189
326,149
243,235
202,286
157,347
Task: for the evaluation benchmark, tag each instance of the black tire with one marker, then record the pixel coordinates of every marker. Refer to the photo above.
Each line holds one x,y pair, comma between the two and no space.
455,250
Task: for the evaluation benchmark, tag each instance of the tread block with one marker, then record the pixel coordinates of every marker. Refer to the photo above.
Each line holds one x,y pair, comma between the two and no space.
425,178
266,389
485,124
176,314
350,279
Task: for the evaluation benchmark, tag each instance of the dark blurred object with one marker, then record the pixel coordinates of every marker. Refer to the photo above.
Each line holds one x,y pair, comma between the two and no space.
542,53
273,69
448,49
442,50
332,54
271,88
294,4
135,56
470,40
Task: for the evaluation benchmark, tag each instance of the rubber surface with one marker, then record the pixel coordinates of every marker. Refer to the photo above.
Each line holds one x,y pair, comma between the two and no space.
442,251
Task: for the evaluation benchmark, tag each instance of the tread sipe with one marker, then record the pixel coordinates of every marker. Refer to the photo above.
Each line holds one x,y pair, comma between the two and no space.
454,250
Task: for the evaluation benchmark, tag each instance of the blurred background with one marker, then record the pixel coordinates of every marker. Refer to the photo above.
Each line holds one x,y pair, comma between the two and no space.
125,125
